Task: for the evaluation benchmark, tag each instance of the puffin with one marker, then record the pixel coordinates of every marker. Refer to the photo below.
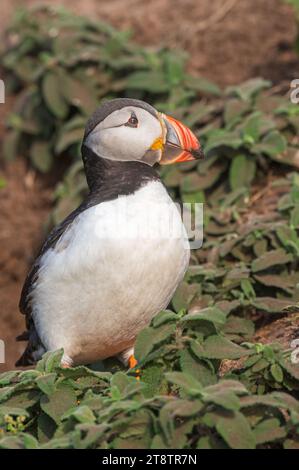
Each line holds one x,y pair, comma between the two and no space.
106,270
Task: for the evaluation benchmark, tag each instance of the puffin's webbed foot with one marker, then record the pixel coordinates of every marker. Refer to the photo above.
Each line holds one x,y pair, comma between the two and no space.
128,359
133,363
66,362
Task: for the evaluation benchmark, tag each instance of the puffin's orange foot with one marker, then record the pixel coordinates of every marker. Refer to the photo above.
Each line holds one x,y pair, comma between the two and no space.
64,365
133,363
66,362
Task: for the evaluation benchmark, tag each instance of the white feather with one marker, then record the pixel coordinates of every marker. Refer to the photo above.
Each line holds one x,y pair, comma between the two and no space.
97,289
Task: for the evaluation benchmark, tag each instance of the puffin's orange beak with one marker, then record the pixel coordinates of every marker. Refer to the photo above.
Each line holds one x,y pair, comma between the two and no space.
180,144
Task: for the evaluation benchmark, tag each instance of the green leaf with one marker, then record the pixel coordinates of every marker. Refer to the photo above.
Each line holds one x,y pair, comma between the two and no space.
153,377
270,304
121,381
211,314
234,109
290,368
218,347
295,216
201,370
227,400
239,326
53,96
185,381
256,125
79,94
273,144
248,89
222,138
242,172
277,372
174,64
226,385
68,138
281,281
209,176
268,430
46,383
165,316
56,404
7,377
184,295
29,441
41,156
50,361
235,430
11,442
82,414
150,337
13,411
22,399
202,85
269,259
46,427
260,365
153,82
185,408
193,197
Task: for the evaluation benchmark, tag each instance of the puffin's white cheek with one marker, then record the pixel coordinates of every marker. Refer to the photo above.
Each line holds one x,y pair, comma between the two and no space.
120,142
124,143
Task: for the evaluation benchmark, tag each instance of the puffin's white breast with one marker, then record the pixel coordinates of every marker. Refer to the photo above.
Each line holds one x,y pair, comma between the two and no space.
115,267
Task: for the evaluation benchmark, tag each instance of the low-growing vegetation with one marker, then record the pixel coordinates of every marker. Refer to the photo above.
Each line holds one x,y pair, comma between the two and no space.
205,379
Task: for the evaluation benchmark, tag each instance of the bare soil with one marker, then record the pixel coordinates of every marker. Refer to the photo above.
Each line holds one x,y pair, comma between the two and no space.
25,203
228,41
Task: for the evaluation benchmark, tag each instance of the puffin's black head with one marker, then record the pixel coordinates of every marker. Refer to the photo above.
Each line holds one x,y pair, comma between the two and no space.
125,129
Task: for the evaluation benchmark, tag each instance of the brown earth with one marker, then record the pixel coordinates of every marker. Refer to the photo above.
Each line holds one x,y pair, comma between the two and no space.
25,203
227,40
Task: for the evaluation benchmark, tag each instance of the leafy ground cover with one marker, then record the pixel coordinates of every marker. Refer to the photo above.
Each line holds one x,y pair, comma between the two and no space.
205,381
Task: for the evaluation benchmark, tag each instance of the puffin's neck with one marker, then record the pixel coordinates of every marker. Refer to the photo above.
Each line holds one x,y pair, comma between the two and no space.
112,178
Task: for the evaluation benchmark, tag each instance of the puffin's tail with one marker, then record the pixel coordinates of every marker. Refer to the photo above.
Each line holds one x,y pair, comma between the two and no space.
26,359
34,349
23,337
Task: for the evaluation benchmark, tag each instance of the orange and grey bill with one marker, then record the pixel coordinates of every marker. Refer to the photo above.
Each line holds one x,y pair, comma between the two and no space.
181,145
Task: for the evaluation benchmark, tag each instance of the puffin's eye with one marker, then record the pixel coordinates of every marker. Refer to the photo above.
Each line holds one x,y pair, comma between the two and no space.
133,121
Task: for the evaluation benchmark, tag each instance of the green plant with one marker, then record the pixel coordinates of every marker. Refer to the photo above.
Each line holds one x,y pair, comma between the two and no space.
204,380
63,66
81,408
